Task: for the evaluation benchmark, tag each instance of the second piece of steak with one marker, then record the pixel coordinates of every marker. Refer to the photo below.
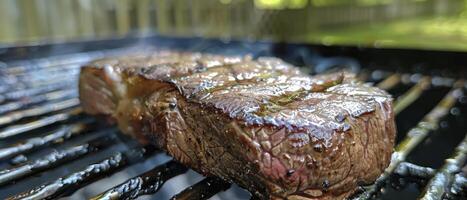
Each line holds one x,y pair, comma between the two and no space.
260,123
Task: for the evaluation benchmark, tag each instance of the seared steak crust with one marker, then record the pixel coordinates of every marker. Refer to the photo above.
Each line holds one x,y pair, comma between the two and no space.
259,123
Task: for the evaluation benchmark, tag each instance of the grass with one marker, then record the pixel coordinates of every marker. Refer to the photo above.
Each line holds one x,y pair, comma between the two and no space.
438,33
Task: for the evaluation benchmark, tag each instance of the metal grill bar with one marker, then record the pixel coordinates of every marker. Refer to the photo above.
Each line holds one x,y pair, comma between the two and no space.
13,72
412,95
438,187
43,74
409,170
65,186
22,67
59,135
147,183
459,187
22,128
414,137
44,109
16,95
46,75
202,190
50,63
53,159
390,82
25,89
27,67
59,83
51,96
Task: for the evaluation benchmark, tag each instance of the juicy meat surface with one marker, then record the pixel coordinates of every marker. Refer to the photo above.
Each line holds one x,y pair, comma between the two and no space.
260,123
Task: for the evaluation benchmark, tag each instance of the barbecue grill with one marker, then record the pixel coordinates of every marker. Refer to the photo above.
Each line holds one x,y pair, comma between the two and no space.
50,149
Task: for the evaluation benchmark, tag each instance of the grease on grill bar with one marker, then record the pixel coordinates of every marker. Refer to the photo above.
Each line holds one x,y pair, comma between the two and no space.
59,135
53,159
16,95
56,84
65,186
30,66
44,109
55,77
414,137
51,96
204,189
409,170
459,186
412,95
48,120
436,188
147,183
35,72
390,82
70,61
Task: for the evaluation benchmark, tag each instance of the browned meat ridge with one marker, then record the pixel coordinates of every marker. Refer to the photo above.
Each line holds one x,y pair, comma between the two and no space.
260,123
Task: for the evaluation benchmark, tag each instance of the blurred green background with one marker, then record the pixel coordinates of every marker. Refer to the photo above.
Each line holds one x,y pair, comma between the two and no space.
419,24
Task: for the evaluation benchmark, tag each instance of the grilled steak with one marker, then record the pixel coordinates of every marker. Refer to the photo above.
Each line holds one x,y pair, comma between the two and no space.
259,123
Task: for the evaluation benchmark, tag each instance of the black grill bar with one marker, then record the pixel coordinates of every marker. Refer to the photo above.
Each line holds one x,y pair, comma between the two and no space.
59,135
390,82
411,95
438,187
28,67
53,159
407,78
16,95
202,190
147,183
34,72
71,60
50,96
40,110
409,170
62,81
42,122
45,76
66,186
414,137
459,187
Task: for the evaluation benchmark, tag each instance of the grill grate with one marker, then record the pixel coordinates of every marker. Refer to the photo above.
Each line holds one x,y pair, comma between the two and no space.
52,160
416,135
43,128
436,188
65,186
146,183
